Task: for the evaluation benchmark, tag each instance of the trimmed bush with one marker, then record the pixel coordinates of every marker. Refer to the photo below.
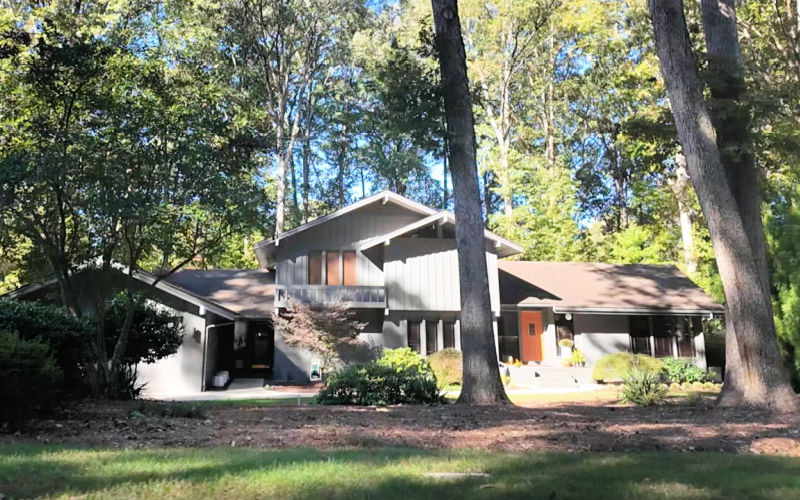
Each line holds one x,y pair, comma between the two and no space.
643,388
614,367
566,343
396,378
679,370
447,366
31,380
71,339
404,358
577,358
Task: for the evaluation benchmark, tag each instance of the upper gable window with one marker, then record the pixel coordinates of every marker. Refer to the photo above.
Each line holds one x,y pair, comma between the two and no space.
349,268
332,263
315,268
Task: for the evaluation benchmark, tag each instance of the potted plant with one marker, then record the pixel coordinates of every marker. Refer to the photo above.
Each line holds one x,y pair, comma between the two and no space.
566,347
577,358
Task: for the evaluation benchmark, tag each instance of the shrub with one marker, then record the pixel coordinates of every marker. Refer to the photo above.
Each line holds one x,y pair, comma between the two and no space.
681,370
70,339
447,366
404,358
566,343
155,334
577,357
30,380
617,366
643,388
396,378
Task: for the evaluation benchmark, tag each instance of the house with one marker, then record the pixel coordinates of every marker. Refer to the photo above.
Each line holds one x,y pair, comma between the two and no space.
394,263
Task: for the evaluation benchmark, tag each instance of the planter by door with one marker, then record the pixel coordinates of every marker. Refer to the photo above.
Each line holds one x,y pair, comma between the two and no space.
530,334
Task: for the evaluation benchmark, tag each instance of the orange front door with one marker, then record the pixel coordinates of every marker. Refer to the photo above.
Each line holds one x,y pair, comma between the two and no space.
530,335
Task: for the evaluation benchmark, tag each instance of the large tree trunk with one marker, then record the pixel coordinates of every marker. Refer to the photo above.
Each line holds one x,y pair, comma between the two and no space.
731,120
481,383
765,382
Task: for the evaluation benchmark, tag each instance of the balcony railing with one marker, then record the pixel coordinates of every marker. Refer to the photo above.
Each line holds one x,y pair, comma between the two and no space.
351,296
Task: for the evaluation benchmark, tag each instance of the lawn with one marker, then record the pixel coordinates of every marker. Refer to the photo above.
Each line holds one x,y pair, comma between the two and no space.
62,472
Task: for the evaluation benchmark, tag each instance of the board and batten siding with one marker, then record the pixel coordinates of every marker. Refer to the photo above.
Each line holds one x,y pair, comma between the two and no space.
342,233
422,275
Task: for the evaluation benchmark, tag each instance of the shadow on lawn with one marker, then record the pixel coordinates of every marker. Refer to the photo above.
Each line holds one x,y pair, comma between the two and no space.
389,473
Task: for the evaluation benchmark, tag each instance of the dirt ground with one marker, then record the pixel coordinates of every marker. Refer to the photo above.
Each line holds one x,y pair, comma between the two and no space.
570,427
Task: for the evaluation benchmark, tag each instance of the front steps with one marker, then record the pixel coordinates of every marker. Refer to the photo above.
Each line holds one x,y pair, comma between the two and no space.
549,376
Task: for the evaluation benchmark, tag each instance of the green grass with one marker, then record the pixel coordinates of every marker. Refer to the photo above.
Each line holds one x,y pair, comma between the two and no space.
59,472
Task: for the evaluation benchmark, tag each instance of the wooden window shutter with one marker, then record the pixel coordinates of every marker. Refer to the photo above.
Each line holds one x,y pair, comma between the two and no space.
333,268
349,266
315,268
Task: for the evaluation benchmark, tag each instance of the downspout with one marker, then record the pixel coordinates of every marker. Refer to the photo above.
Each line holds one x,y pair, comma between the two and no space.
205,351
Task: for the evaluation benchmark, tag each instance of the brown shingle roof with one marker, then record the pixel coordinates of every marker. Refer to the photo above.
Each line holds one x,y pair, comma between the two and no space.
249,292
611,287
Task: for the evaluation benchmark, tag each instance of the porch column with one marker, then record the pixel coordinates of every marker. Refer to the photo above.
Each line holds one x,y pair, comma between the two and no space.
423,338
699,343
440,334
496,340
457,329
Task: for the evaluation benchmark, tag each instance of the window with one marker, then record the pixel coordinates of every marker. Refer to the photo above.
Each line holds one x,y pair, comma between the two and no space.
315,268
332,263
508,336
413,335
431,332
449,334
663,333
639,328
349,267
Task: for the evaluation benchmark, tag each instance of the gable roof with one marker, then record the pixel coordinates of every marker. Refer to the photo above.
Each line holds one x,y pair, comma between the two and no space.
602,288
249,293
503,246
232,294
384,197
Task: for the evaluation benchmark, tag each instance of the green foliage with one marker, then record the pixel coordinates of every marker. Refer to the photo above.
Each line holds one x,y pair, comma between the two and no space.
643,388
31,380
403,359
447,365
679,370
577,358
617,366
396,378
69,338
155,334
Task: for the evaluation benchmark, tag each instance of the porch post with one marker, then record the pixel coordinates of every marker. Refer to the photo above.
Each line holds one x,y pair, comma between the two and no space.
440,334
423,338
496,339
457,329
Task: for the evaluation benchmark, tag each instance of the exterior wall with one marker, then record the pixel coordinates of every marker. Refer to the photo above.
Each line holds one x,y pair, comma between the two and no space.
342,233
422,275
597,335
395,328
549,342
180,373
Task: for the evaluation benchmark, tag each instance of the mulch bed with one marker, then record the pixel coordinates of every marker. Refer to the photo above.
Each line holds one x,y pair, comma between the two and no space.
569,427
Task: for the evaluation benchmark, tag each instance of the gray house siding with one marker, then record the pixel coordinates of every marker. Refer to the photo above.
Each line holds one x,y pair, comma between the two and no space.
422,275
597,335
343,233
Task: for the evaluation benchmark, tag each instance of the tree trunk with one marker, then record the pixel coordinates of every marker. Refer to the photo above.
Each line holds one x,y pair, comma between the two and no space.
680,188
731,120
280,209
445,194
765,382
481,382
